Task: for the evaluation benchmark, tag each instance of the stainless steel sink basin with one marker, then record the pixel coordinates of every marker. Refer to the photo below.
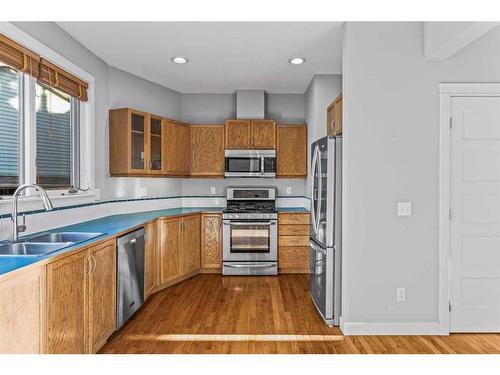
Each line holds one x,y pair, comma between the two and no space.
74,237
31,248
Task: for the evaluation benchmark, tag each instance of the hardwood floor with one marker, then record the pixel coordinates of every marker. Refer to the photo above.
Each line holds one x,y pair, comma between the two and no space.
213,314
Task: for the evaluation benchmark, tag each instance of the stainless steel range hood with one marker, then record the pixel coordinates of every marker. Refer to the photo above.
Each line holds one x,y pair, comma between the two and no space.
250,104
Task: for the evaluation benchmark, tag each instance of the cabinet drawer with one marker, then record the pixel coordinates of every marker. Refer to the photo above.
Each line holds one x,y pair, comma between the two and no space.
293,230
294,257
293,218
293,241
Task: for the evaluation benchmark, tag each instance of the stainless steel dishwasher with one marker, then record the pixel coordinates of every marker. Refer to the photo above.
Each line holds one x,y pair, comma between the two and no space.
130,280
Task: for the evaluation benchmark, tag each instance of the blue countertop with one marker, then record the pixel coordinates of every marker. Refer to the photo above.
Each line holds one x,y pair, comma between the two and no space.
110,226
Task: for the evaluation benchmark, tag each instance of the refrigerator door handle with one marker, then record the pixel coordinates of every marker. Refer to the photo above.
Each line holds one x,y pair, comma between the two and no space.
317,248
320,192
314,167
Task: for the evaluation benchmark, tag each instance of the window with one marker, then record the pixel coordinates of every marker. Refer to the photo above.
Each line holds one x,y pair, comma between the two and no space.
56,138
10,129
42,148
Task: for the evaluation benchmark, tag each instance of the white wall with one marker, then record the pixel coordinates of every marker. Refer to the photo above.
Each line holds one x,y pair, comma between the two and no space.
391,120
321,92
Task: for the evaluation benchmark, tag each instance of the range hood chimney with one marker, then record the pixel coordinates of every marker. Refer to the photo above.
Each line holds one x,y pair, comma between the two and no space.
250,104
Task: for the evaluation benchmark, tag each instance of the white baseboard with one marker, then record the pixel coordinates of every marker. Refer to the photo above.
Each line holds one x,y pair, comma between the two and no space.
392,329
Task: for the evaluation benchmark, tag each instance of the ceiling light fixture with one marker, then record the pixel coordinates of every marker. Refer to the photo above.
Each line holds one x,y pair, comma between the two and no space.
297,60
179,60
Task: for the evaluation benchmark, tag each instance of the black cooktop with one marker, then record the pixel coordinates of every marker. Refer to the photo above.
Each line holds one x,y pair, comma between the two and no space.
249,207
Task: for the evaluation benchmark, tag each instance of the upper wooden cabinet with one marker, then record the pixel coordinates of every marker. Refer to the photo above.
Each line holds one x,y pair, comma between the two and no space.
250,134
291,151
263,134
207,150
176,148
135,140
334,117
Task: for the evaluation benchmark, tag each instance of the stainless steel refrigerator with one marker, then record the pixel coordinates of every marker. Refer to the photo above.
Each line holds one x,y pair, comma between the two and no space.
326,227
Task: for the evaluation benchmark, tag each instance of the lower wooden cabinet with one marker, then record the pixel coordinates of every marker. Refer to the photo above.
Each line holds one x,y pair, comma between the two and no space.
293,242
179,247
211,242
150,256
67,310
23,313
81,296
102,294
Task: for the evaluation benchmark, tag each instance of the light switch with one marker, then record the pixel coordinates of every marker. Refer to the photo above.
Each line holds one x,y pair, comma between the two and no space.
142,192
212,190
404,208
400,294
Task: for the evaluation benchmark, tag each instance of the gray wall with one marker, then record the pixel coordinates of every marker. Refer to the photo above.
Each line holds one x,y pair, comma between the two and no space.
391,137
321,92
127,90
215,108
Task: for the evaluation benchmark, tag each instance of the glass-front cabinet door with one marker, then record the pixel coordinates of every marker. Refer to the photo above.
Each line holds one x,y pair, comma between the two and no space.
155,145
138,137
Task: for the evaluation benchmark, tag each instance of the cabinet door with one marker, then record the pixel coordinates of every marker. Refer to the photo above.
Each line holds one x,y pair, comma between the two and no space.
150,259
191,244
207,150
337,113
102,294
176,147
138,140
291,151
67,313
211,241
22,313
170,266
263,134
155,146
238,134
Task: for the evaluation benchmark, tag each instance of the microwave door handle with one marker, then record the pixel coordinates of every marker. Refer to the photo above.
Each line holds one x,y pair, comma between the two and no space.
262,165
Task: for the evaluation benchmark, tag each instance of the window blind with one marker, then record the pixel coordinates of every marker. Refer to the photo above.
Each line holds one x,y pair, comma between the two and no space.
18,57
60,79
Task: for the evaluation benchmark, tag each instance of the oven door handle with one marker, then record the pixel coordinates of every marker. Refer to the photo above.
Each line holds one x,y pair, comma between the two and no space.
250,265
240,223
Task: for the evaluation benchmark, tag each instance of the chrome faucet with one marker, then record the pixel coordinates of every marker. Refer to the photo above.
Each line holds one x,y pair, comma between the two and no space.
46,202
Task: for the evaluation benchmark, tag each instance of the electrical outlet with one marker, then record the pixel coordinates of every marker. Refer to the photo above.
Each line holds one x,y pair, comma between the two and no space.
401,294
142,192
404,208
289,190
212,190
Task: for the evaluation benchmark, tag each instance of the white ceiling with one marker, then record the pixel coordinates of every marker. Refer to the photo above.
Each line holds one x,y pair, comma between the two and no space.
223,56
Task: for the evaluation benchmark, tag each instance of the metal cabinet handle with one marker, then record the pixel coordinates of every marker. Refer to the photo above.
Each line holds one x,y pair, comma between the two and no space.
95,263
90,265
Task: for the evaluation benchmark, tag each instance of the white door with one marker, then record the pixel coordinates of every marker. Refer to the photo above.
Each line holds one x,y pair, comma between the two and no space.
475,215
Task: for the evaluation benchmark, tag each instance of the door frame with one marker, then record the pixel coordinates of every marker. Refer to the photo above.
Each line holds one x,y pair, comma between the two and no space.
447,91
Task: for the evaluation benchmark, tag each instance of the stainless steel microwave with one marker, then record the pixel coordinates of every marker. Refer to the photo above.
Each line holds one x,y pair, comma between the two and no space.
250,163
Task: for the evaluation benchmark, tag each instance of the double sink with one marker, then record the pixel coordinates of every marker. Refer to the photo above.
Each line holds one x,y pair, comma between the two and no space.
46,243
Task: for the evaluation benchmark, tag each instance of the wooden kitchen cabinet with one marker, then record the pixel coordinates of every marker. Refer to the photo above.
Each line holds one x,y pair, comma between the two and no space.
81,295
150,256
211,242
334,117
129,142
250,134
293,242
156,163
207,150
23,312
67,310
291,151
176,148
170,258
190,244
238,134
102,294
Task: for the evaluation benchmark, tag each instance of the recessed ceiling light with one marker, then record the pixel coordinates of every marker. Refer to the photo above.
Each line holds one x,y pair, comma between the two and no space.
297,60
179,60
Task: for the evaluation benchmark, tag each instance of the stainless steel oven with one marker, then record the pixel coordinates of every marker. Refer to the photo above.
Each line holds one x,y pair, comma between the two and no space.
250,163
250,232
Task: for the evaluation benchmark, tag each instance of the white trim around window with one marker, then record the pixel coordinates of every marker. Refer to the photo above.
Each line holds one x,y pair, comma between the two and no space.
87,159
